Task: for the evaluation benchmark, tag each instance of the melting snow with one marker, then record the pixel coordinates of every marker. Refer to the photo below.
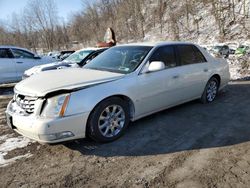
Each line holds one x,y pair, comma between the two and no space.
10,144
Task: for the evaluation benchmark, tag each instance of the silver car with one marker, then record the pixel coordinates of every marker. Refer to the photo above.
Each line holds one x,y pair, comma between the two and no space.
123,84
14,61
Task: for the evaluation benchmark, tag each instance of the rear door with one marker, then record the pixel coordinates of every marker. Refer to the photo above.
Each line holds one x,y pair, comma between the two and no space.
193,72
7,66
23,60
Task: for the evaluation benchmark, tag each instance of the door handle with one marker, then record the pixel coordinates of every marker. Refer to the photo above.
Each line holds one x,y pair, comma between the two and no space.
205,70
19,62
176,76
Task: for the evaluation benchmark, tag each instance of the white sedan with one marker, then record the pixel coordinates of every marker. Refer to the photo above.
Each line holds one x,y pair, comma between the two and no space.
14,61
122,84
75,60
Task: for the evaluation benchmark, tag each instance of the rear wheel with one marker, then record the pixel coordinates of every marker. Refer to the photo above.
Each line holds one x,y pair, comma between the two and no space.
108,120
211,91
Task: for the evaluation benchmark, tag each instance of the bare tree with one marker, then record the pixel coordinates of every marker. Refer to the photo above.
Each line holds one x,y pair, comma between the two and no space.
43,16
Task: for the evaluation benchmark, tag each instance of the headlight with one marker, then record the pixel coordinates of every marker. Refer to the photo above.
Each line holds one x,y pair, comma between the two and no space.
56,106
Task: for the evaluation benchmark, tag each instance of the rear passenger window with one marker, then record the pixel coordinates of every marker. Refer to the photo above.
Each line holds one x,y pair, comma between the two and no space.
199,56
5,53
165,54
190,55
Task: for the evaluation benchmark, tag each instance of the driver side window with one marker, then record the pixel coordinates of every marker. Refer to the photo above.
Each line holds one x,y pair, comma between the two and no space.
165,54
22,54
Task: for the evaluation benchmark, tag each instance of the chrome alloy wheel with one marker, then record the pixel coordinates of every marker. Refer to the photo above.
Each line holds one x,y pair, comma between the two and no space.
212,90
111,121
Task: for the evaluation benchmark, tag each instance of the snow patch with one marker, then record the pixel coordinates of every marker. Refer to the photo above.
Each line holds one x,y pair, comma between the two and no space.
236,70
12,144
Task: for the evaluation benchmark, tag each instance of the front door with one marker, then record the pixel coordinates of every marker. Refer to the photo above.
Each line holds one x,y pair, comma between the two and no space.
7,66
23,60
158,90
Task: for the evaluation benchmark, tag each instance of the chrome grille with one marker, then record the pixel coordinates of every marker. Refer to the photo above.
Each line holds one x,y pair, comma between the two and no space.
26,103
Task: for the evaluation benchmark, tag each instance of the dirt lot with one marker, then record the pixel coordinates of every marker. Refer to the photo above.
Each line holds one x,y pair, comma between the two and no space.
192,145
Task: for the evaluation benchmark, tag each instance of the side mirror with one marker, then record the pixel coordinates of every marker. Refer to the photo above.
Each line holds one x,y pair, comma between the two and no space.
87,61
156,66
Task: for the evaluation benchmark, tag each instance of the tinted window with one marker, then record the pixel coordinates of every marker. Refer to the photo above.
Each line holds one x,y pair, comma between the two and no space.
190,55
199,56
225,47
165,54
5,53
22,54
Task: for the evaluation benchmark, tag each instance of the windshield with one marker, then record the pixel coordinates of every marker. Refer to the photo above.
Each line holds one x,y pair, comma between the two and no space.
78,56
122,59
217,47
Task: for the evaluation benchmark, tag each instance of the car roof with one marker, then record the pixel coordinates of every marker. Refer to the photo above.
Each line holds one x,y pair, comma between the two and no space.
154,44
15,47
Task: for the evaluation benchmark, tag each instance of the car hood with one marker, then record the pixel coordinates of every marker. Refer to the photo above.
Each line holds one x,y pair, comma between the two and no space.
50,66
64,79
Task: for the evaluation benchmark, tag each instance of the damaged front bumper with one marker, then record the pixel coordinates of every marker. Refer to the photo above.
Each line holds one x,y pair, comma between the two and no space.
46,130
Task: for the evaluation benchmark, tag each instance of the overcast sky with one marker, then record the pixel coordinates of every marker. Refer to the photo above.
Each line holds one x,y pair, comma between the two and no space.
65,7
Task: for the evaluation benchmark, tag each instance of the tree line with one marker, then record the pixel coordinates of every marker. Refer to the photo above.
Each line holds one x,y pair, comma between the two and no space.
39,26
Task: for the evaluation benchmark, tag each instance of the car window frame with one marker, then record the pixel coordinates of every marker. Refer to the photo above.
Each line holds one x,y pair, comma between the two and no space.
193,49
22,51
164,46
83,62
10,54
150,54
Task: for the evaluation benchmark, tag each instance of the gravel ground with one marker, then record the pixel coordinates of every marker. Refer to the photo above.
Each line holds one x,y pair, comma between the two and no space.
192,145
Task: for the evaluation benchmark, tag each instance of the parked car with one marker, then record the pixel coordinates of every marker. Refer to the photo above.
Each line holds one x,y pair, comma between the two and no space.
64,54
53,54
76,60
242,50
14,61
222,50
123,84
232,46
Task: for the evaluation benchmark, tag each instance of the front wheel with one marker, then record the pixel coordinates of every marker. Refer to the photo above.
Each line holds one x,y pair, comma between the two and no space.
108,120
210,91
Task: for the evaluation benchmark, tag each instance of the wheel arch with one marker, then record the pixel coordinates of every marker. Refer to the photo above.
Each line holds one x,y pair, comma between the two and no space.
123,97
217,76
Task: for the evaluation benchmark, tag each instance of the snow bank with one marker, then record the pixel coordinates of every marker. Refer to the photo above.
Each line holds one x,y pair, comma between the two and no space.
10,144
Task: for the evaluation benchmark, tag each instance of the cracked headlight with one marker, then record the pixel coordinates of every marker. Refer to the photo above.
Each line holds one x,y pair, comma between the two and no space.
56,106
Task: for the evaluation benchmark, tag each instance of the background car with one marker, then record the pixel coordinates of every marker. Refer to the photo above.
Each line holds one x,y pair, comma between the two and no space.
222,50
242,50
64,54
76,60
14,61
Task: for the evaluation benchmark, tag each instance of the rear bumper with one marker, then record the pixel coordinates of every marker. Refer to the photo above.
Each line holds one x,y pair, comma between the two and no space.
46,130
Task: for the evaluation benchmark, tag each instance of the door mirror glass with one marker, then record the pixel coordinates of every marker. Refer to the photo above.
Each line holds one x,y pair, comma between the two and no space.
156,66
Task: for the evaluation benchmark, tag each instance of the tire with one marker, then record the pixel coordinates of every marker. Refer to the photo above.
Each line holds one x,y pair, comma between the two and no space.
109,120
211,90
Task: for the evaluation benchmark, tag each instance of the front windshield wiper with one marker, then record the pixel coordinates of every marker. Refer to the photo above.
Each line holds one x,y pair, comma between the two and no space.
70,62
93,68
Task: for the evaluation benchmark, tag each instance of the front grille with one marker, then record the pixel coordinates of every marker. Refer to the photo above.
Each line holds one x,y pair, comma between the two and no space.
25,102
